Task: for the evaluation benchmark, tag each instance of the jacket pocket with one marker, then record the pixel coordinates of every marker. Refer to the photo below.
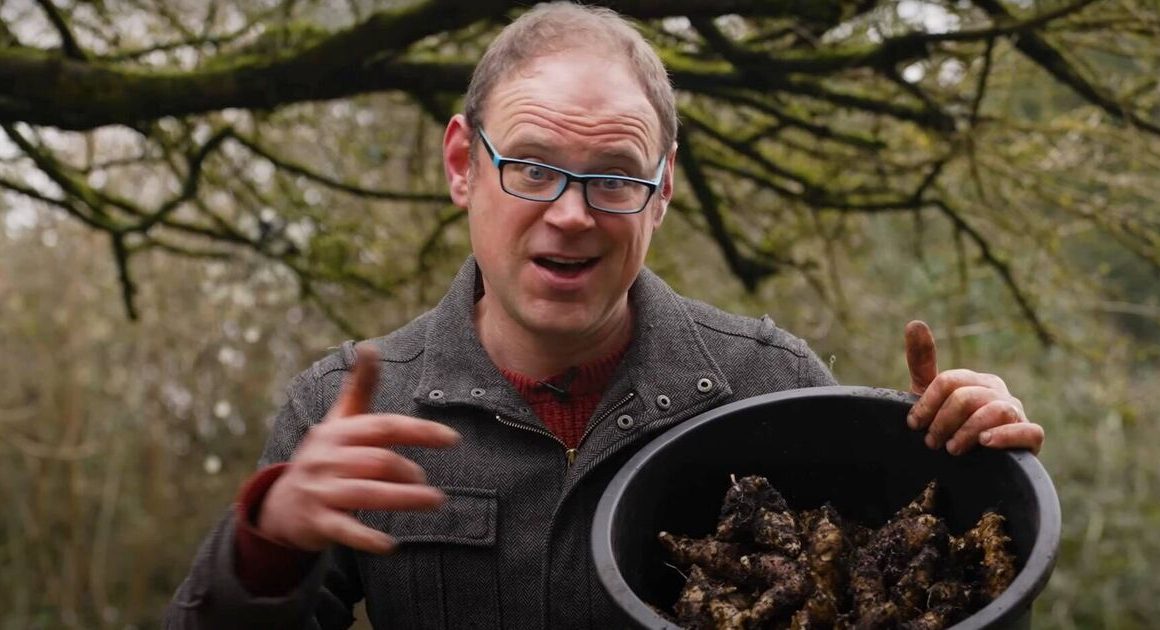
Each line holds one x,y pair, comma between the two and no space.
444,573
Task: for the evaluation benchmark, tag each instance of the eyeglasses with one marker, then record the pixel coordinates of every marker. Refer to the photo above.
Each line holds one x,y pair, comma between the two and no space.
615,194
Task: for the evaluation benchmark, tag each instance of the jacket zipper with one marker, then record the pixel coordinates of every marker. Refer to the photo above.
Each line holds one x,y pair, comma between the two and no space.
592,425
569,453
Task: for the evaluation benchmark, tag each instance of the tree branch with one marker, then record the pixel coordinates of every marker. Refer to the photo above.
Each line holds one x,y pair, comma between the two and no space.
191,42
151,242
749,271
431,243
128,289
306,288
43,89
1036,48
696,77
72,186
329,182
188,187
887,54
820,131
73,94
68,43
32,193
1000,266
804,10
821,199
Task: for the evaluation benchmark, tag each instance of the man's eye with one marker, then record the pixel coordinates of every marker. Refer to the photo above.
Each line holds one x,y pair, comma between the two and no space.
610,184
534,173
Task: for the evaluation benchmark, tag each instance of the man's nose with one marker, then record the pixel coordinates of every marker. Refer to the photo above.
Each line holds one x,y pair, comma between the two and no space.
570,212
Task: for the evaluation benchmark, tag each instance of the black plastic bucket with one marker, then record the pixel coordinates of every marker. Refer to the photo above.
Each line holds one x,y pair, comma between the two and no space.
846,445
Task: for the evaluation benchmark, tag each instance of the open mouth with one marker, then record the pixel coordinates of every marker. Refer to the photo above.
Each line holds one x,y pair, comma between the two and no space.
565,266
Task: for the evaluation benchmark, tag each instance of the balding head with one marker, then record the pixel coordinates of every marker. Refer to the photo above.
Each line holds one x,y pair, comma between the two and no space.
561,26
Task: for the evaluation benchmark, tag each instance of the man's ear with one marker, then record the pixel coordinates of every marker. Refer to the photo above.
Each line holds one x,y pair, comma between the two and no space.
665,192
457,159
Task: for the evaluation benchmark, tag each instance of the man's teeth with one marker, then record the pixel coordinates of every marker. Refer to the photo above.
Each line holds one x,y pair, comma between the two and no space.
566,261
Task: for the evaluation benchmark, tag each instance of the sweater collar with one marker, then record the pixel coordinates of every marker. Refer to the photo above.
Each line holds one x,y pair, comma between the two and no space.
585,379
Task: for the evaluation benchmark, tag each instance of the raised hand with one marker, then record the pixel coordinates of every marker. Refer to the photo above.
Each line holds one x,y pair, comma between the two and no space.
345,463
962,408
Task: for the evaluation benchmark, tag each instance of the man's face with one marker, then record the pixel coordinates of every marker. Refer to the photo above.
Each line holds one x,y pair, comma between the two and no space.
561,267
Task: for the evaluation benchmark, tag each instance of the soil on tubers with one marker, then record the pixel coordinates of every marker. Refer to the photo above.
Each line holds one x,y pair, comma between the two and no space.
770,566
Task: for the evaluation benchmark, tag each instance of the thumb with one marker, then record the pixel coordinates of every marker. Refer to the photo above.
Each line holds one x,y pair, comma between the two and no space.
920,355
355,397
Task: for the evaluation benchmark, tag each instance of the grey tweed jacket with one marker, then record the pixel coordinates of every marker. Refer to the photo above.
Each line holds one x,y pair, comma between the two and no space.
510,548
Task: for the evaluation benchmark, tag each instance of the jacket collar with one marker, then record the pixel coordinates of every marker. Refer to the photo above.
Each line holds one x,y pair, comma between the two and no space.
666,356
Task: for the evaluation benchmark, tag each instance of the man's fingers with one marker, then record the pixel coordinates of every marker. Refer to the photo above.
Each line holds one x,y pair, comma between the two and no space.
372,462
1026,435
920,356
934,398
392,430
993,414
955,410
359,386
366,494
345,529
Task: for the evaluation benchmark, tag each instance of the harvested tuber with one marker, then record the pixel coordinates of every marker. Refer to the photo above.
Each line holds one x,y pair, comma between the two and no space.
770,566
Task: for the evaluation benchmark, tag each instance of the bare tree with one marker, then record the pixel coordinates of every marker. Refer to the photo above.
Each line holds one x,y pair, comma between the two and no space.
306,133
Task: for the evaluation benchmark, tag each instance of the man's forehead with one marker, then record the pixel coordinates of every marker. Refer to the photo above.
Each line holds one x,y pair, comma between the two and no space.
533,137
577,95
600,145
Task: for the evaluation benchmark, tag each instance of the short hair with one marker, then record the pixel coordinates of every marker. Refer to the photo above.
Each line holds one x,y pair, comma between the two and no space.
559,26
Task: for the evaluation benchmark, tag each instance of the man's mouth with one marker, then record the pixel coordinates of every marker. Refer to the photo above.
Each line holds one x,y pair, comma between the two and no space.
565,266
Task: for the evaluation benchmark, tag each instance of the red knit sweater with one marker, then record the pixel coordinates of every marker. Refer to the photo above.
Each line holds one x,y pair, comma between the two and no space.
564,403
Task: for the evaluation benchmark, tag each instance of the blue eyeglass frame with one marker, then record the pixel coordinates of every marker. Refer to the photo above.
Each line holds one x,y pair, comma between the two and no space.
582,178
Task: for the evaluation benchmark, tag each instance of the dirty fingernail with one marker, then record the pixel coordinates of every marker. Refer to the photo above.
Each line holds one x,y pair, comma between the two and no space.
985,438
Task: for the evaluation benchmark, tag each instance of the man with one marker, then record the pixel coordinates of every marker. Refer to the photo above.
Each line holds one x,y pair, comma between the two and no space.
552,359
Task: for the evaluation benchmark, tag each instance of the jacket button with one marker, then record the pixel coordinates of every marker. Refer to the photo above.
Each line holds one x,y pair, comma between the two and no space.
663,402
704,385
625,422
477,392
436,394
